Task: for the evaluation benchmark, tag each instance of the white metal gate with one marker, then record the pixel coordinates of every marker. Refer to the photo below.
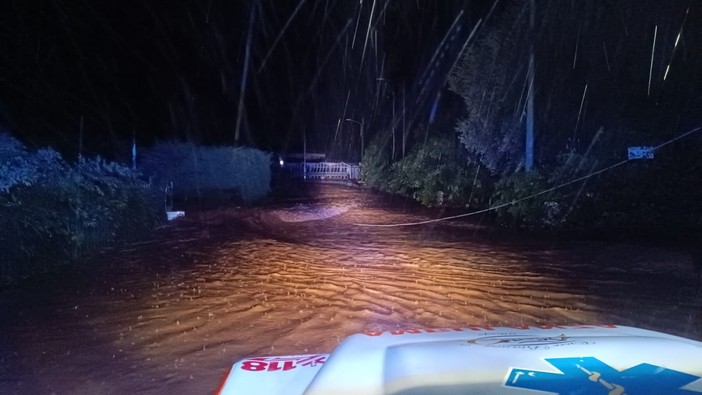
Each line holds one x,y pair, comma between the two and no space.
324,170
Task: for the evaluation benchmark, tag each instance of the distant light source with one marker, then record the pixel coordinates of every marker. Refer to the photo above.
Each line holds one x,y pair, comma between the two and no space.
171,215
281,162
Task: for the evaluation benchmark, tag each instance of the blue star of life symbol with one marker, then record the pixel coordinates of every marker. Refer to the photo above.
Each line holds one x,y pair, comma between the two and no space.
589,375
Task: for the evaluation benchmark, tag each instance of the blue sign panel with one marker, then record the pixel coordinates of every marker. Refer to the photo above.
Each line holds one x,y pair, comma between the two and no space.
589,375
640,153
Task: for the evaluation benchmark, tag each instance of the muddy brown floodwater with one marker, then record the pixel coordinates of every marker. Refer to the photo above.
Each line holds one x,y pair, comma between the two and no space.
170,314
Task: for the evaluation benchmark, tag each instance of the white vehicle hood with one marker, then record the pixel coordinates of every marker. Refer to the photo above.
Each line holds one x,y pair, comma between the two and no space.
586,359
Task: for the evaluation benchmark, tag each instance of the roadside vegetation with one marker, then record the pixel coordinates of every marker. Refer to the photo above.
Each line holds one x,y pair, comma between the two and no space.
560,194
474,152
54,212
239,173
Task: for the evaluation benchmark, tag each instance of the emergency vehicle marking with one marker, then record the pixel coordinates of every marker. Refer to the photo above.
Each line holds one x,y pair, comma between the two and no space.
589,375
482,328
272,364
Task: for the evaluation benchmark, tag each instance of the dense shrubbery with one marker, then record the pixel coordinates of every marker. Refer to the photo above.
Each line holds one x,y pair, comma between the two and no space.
662,191
53,211
435,167
636,194
195,169
545,197
376,165
516,212
561,194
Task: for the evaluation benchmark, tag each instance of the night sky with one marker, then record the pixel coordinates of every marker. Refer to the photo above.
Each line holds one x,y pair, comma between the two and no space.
160,70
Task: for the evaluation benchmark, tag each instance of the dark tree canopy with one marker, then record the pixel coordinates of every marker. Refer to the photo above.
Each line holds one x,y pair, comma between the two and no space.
593,65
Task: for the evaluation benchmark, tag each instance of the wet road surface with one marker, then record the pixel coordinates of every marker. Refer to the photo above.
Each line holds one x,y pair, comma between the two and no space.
171,313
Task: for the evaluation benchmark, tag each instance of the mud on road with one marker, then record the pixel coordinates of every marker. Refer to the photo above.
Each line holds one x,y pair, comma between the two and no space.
170,314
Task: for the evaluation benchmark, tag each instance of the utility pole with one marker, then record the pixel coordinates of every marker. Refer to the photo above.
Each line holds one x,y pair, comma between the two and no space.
244,76
134,150
80,138
392,121
404,126
529,143
392,125
360,124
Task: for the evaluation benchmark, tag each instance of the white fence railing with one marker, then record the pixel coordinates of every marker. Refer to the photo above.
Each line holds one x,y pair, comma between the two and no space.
323,170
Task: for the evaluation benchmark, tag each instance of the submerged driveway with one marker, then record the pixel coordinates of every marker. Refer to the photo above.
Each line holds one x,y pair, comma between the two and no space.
172,313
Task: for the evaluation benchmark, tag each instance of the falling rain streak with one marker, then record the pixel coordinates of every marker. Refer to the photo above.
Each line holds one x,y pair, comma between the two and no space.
172,313
434,94
653,50
580,111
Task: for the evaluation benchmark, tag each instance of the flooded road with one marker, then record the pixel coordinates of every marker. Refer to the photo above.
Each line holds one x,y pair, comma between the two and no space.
172,313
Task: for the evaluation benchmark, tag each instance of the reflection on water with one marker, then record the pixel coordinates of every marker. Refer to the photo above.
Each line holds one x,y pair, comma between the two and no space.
169,315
